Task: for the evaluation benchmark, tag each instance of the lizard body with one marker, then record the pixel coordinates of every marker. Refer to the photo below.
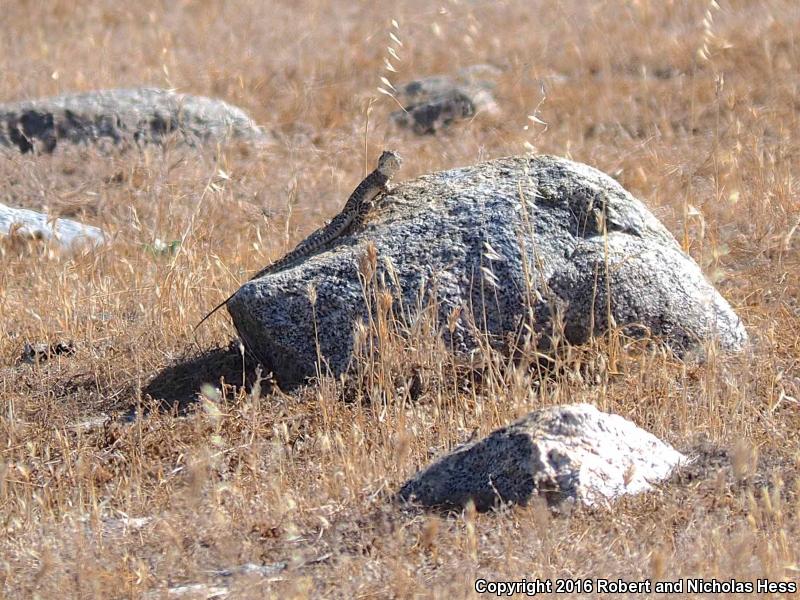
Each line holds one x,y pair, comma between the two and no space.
357,205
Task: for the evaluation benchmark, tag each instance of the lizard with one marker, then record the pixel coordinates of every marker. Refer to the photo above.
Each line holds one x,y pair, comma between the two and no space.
357,206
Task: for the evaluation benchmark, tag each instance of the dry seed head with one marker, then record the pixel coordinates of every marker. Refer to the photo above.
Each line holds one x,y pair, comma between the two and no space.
489,277
743,459
403,447
470,512
452,318
657,564
388,83
385,301
369,262
429,533
387,88
312,294
359,335
627,477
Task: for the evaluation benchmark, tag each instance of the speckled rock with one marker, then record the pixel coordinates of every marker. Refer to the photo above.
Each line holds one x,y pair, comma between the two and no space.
562,453
122,116
436,102
29,224
492,240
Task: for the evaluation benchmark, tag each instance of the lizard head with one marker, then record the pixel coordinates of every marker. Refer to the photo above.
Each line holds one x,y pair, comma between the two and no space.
389,163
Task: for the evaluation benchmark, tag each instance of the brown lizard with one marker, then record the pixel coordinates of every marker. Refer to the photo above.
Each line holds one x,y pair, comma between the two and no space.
357,205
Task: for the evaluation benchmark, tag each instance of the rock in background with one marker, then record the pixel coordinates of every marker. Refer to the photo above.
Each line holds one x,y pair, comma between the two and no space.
29,224
500,242
122,116
436,102
561,453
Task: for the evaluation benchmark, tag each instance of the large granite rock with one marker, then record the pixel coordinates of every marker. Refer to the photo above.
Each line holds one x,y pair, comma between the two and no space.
492,240
561,453
32,225
122,116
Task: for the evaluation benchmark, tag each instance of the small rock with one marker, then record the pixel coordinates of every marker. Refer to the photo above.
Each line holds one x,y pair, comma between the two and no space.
90,424
198,590
562,453
122,116
40,352
208,591
433,103
112,527
31,225
124,525
253,569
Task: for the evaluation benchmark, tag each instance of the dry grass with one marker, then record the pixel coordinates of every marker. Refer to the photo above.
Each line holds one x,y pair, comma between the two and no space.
699,119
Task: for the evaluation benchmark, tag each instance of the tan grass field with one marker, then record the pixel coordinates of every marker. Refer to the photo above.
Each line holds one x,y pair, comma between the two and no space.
693,107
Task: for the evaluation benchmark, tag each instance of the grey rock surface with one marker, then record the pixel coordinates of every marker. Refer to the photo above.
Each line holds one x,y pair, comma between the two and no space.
436,102
561,453
517,244
38,352
30,224
122,116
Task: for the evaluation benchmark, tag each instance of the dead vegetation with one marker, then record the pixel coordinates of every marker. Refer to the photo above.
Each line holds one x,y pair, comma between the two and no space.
691,106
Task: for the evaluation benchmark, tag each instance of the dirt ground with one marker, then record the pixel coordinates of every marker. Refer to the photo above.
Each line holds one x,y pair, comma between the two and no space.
140,465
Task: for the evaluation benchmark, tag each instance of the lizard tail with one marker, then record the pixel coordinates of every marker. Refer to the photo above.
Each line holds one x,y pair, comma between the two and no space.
213,310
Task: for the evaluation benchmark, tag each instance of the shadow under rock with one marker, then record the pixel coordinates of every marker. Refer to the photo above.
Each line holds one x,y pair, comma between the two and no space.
177,386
